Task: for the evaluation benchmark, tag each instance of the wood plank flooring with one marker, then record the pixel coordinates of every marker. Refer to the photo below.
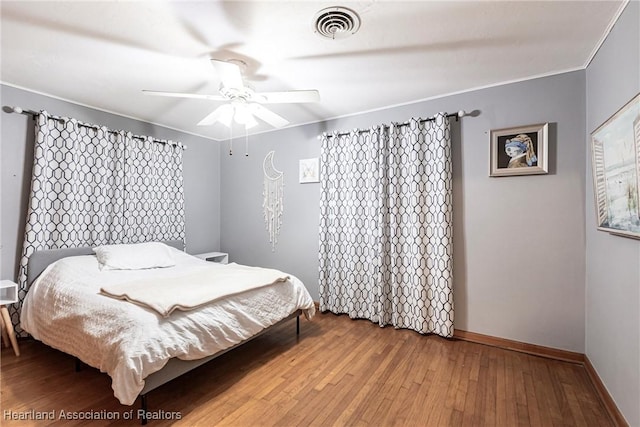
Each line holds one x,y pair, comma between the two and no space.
337,372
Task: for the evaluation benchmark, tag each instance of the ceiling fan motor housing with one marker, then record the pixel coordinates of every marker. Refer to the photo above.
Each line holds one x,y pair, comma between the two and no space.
242,94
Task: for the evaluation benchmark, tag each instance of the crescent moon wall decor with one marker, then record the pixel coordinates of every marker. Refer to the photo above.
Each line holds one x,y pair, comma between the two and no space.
273,197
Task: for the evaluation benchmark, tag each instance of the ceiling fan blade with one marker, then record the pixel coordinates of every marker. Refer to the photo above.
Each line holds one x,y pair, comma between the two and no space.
222,114
268,116
229,73
289,97
184,95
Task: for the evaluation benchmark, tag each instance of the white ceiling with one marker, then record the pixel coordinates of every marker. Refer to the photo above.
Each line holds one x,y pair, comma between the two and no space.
102,54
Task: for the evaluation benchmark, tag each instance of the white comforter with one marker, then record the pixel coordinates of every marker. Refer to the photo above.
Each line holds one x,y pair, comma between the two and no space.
65,310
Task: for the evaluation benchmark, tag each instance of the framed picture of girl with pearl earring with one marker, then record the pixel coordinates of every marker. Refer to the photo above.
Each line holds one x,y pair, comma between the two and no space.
520,150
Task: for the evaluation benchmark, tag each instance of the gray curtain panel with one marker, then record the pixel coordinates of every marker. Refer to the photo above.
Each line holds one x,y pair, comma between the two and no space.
386,225
92,186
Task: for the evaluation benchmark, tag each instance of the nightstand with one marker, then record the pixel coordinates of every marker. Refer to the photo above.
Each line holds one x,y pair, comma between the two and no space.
8,295
219,257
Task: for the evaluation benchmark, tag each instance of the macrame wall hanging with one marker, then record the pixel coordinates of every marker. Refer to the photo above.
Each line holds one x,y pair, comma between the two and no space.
272,194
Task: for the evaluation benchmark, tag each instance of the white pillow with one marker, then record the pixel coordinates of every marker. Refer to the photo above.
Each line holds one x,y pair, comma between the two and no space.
135,256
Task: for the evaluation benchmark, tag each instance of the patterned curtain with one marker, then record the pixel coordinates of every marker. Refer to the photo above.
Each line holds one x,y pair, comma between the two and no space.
154,196
386,225
92,186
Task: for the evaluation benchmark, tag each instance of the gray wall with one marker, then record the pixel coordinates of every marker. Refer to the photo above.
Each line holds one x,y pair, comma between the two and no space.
613,263
519,259
201,171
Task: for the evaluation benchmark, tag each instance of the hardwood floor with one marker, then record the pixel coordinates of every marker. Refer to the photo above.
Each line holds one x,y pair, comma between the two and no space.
337,372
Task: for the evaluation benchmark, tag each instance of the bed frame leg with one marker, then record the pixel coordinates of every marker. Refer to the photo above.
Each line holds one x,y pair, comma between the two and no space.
297,325
143,406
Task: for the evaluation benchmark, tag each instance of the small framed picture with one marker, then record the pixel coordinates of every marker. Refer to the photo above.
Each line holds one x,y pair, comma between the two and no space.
309,170
519,150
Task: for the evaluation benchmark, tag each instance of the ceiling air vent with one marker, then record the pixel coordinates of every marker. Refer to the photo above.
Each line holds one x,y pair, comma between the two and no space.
336,22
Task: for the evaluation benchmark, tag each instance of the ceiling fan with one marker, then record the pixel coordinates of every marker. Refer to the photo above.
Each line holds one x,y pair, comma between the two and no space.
243,103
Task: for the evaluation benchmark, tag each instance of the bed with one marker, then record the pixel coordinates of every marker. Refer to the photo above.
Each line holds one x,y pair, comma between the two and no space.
67,308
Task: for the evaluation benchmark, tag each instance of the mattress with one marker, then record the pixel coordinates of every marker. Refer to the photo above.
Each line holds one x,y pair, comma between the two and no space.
65,310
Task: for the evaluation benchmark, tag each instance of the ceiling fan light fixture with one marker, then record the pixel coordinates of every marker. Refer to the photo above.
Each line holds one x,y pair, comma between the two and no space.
226,116
243,116
249,122
336,22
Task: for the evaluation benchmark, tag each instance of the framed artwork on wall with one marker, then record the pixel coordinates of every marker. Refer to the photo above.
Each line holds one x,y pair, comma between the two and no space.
309,170
615,154
519,150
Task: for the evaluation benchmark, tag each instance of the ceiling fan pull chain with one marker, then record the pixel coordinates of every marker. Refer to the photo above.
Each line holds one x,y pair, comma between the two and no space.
246,142
231,140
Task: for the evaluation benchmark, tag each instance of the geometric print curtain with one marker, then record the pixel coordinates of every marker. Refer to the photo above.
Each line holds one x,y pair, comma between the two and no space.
92,186
154,195
386,225
351,182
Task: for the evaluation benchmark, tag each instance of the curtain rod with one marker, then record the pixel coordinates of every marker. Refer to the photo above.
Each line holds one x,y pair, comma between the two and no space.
457,115
34,114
